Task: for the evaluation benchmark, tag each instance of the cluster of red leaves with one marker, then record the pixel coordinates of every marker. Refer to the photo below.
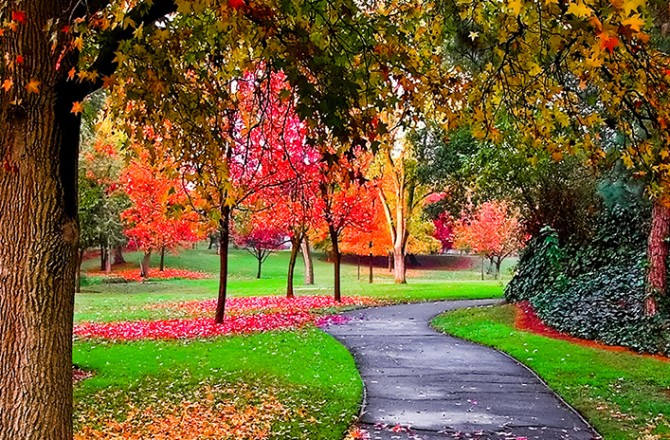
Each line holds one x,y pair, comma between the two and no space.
268,304
134,274
211,416
192,328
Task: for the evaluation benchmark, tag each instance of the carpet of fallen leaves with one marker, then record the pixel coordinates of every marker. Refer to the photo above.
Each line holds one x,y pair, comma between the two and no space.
167,274
244,315
214,412
267,304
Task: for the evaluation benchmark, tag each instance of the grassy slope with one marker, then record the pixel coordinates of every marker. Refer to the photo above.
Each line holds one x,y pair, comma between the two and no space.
622,394
310,370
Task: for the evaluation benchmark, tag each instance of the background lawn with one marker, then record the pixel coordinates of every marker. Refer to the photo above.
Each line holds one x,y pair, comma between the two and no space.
309,372
624,395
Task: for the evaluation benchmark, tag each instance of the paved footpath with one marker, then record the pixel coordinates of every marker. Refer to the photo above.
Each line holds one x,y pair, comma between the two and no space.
442,387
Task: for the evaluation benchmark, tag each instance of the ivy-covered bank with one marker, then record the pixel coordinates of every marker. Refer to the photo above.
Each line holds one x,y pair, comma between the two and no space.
595,289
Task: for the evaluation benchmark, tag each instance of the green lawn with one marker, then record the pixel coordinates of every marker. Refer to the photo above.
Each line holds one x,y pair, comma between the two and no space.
125,301
624,395
308,371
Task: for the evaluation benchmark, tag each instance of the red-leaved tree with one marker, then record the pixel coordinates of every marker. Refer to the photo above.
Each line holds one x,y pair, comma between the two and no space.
493,231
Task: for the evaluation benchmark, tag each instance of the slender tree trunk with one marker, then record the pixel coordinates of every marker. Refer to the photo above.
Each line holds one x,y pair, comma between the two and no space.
260,265
370,274
337,261
307,259
224,238
103,258
358,264
145,265
498,262
482,268
80,259
295,248
657,254
39,234
118,255
399,266
161,267
108,260
390,261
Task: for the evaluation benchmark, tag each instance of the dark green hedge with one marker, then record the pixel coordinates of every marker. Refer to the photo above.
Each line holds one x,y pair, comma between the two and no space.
595,290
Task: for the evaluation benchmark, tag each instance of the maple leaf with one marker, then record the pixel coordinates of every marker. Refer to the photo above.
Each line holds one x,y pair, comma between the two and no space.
19,59
236,4
629,6
71,74
608,42
19,16
515,6
7,85
108,82
579,9
77,107
33,86
634,22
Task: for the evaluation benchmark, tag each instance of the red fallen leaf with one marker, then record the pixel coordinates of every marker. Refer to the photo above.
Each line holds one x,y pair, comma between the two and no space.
19,16
19,59
236,4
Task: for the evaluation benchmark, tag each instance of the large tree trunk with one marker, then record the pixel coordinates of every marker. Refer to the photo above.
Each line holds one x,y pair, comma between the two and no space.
145,264
337,262
118,255
224,238
161,267
498,262
295,248
307,259
657,254
39,235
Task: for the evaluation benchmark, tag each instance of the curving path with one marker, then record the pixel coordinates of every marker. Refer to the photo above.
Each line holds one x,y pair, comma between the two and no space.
446,388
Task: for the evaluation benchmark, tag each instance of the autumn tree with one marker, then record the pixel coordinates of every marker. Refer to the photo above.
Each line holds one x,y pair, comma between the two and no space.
54,54
493,231
588,77
258,238
158,218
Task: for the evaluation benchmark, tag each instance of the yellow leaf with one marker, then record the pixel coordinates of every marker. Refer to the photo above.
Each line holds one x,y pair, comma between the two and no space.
71,73
629,6
579,9
635,23
77,108
515,6
7,85
33,86
108,82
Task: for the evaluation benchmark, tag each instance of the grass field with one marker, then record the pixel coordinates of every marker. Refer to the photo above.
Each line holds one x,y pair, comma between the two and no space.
312,376
625,396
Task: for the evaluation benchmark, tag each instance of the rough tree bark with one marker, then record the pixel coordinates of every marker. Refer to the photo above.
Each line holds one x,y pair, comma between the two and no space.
39,237
224,239
103,258
108,260
295,248
145,264
307,259
657,255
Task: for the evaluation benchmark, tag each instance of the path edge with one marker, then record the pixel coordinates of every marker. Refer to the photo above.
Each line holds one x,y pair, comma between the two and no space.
597,436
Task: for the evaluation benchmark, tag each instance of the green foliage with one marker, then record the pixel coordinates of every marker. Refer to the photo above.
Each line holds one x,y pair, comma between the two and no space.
595,290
